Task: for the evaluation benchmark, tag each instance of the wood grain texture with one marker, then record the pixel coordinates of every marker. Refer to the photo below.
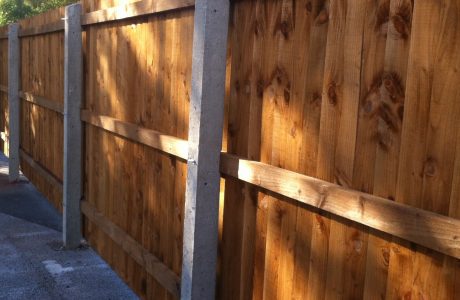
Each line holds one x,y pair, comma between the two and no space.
415,225
42,29
351,61
4,118
43,102
42,73
134,9
4,32
362,96
137,85
148,261
148,137
43,173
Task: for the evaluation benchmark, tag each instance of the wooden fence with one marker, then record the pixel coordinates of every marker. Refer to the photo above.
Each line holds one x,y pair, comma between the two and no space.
3,89
342,170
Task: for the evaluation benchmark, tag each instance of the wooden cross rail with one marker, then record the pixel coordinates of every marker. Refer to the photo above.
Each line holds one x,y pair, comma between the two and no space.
434,231
167,278
44,173
37,100
148,137
43,102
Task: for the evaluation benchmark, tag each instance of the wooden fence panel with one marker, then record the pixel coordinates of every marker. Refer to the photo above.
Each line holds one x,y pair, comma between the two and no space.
3,90
348,93
42,75
138,71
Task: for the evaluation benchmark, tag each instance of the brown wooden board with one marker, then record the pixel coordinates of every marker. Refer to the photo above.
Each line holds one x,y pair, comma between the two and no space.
3,94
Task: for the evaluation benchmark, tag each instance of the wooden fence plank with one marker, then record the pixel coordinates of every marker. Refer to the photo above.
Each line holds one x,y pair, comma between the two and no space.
152,138
43,102
135,9
152,264
425,228
3,88
44,173
389,102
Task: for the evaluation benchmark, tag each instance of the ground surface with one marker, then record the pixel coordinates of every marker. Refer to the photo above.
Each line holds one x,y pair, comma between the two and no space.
32,265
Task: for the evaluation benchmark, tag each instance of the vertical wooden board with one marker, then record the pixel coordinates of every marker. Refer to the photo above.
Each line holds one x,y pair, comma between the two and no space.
266,44
183,86
452,266
422,168
115,200
165,196
150,212
395,20
3,95
137,171
440,154
373,51
344,94
309,76
243,26
100,151
326,147
90,170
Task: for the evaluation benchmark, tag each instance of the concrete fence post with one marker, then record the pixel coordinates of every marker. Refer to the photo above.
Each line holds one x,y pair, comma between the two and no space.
13,101
205,144
73,77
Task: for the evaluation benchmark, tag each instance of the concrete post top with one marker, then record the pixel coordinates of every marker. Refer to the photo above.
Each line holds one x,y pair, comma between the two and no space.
73,7
13,28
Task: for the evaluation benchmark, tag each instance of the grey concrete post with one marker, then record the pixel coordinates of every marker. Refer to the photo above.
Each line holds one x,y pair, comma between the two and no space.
205,144
72,185
13,101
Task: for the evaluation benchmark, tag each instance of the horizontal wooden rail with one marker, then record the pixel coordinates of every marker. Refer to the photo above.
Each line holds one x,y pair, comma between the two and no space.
428,229
425,228
136,9
3,88
43,102
167,278
41,170
44,29
166,143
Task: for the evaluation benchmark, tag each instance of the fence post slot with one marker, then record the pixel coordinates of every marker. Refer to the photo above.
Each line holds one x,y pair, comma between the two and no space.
13,101
72,185
205,144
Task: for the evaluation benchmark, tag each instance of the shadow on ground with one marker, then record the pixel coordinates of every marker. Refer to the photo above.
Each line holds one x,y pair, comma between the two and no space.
23,201
32,263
